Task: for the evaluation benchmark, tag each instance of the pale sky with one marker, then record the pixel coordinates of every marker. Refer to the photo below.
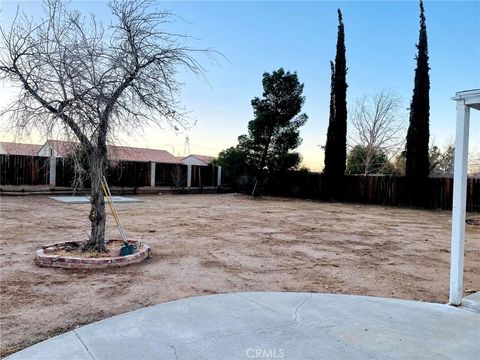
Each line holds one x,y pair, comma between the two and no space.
300,36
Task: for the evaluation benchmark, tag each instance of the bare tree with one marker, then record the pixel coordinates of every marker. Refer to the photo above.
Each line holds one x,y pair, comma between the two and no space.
377,126
92,82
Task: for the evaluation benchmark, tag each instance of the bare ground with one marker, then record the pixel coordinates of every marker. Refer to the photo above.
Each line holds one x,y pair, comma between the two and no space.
204,244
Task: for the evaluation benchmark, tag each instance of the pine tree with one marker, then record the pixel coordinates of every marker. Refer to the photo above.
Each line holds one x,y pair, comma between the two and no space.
275,130
417,160
336,145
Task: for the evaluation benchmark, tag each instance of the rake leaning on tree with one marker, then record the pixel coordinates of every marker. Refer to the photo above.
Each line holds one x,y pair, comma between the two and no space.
91,83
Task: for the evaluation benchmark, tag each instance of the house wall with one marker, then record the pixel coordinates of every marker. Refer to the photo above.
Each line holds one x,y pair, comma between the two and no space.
46,150
191,160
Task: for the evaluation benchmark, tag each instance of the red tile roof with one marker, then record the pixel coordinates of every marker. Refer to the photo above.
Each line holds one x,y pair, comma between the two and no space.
12,148
140,154
63,148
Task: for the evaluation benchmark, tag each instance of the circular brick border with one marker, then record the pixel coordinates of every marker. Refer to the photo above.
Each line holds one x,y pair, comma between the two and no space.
45,257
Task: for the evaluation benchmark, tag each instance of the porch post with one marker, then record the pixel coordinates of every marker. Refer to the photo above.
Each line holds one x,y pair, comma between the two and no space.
53,171
459,203
189,176
219,176
152,174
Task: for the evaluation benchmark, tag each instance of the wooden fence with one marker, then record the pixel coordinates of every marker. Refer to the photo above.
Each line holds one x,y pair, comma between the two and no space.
35,170
171,175
24,170
203,176
380,190
129,173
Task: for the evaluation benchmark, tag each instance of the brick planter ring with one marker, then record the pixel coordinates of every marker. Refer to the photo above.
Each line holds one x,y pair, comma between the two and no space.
46,257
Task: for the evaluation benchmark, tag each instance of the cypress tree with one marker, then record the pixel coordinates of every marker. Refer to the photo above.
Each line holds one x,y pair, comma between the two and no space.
336,145
417,160
331,119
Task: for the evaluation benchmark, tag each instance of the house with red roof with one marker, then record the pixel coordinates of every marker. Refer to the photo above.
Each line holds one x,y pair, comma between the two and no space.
157,165
62,149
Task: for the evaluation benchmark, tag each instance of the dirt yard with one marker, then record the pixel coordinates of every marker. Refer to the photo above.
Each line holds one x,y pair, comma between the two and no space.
204,244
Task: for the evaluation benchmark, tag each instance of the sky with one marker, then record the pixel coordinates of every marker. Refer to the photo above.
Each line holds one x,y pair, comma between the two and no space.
261,36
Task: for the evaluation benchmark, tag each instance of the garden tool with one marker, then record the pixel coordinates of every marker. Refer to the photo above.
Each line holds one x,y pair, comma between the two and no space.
126,249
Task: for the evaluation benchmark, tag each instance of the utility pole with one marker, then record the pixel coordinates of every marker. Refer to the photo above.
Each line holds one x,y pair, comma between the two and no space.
186,147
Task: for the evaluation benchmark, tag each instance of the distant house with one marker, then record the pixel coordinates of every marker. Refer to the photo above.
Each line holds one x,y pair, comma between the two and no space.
164,168
197,160
161,160
134,165
11,148
197,170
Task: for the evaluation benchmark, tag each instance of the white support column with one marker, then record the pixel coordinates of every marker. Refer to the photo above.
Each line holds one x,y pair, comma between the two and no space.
219,176
189,176
152,174
459,203
53,170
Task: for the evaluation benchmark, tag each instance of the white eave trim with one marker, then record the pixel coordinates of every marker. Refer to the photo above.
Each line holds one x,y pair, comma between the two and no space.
469,97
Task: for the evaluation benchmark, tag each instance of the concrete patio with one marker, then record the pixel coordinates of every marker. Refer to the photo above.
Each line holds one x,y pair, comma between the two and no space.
294,326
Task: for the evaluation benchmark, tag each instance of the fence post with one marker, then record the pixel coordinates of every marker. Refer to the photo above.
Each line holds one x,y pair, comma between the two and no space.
189,176
53,170
219,176
152,174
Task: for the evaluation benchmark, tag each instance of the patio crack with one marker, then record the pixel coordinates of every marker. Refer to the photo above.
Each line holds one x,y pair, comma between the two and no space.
355,348
300,305
85,346
174,351
258,303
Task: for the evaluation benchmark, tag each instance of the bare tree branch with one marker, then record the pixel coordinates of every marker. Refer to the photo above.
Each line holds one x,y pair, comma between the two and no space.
377,125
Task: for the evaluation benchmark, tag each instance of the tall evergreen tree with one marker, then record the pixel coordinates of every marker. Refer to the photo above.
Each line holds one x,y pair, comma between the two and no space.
275,130
329,146
417,160
336,145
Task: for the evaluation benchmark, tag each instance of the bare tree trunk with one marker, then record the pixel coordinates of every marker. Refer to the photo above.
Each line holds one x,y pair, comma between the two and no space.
369,159
260,176
97,212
